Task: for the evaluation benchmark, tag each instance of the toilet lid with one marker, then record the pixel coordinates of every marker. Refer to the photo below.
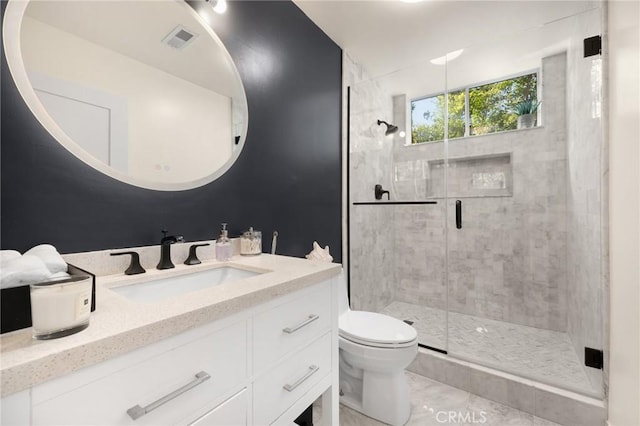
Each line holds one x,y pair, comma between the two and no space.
374,329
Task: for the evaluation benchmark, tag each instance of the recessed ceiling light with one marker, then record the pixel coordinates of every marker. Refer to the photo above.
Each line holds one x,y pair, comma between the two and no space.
410,1
447,58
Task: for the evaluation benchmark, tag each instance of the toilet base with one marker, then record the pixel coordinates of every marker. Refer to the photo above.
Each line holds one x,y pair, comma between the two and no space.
381,396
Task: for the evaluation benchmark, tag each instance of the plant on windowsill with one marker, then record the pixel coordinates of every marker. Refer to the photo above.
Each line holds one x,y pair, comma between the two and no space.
527,111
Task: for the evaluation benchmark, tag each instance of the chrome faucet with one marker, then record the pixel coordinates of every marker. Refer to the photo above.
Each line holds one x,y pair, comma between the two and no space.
165,249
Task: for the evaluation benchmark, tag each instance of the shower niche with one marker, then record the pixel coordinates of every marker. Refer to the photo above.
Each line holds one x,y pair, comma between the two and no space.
477,176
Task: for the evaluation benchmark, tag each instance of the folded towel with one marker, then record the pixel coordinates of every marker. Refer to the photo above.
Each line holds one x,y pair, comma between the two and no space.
24,270
7,255
50,256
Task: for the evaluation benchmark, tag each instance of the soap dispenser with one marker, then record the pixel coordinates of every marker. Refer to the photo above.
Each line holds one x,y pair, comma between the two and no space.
223,245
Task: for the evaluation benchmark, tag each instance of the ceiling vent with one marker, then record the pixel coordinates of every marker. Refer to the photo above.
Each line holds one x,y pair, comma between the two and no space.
180,37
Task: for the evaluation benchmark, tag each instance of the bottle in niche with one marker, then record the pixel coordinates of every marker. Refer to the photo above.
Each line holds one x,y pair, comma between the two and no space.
251,243
223,245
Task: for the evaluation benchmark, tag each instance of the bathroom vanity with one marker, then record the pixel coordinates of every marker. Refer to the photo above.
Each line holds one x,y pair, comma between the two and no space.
248,350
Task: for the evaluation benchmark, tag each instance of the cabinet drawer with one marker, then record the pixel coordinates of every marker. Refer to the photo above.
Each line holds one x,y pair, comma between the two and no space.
290,326
232,412
222,355
278,389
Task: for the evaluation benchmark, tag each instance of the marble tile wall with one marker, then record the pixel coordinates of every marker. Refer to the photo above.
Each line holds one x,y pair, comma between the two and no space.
508,262
586,241
371,228
531,256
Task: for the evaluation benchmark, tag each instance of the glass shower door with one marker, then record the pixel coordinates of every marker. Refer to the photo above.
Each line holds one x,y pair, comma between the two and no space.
524,201
397,243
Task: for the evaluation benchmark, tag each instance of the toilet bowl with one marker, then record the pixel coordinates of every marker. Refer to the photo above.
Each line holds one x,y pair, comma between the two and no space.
374,351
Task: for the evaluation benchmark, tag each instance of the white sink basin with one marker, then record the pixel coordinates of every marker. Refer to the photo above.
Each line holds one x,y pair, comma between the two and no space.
164,288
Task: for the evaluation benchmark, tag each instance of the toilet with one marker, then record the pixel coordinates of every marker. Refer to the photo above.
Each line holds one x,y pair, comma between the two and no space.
374,351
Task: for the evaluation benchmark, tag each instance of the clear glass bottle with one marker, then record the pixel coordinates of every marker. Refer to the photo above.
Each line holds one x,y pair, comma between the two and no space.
251,243
223,245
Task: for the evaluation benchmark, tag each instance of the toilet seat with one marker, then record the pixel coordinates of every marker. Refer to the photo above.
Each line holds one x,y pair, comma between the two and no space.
376,330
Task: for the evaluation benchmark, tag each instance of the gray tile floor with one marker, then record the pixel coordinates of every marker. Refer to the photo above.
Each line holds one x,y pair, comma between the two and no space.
543,355
433,403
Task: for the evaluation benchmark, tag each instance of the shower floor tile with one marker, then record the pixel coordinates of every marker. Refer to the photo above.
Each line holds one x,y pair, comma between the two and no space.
543,355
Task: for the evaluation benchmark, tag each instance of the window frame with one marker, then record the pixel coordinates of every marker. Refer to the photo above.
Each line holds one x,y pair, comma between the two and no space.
467,116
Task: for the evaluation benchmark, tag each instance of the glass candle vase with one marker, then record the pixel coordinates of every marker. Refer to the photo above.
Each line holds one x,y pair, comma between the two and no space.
61,307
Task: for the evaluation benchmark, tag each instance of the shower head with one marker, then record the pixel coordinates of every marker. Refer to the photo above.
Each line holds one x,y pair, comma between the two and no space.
391,129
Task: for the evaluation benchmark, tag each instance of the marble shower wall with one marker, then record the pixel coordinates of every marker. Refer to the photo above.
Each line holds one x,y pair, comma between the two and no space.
372,262
508,262
586,241
530,251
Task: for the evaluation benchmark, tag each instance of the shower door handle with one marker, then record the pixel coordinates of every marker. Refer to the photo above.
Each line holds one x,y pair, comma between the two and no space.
458,214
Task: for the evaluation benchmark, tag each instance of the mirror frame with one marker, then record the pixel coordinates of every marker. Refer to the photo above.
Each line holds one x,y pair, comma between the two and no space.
12,25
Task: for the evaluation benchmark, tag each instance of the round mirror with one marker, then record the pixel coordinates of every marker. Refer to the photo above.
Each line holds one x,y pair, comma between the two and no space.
143,91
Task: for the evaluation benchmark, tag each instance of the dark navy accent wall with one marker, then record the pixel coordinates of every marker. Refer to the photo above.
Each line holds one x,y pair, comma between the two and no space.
286,179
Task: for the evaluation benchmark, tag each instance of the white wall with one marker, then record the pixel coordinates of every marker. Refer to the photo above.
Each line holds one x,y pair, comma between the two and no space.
624,138
174,125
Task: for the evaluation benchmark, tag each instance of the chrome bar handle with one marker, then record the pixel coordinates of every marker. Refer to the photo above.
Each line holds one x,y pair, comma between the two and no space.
306,322
312,370
138,411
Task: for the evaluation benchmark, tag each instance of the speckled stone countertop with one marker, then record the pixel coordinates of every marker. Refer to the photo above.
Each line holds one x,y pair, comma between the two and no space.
119,325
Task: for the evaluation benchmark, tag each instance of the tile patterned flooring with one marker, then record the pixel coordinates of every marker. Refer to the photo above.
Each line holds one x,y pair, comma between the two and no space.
433,403
543,355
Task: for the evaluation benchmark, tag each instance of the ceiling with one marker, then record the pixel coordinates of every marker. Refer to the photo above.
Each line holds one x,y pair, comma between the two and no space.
125,27
389,35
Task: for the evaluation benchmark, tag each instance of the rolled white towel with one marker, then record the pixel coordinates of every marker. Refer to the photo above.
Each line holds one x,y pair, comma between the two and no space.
24,270
7,255
50,256
59,276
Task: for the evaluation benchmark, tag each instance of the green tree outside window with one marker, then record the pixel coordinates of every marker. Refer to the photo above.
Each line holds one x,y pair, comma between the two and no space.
490,110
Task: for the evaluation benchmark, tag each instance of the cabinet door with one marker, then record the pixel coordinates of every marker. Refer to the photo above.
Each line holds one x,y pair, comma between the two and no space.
278,389
232,412
16,409
170,387
289,327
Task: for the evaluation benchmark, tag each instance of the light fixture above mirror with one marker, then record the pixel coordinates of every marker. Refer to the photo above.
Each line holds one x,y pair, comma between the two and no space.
220,6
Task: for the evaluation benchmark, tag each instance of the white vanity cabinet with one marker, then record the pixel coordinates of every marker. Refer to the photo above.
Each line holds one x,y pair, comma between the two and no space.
263,365
219,358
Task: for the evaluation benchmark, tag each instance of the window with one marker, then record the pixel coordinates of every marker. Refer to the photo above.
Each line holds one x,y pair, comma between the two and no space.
476,110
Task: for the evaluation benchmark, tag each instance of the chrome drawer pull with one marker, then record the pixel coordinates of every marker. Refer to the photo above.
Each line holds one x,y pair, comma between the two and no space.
312,369
138,411
295,328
